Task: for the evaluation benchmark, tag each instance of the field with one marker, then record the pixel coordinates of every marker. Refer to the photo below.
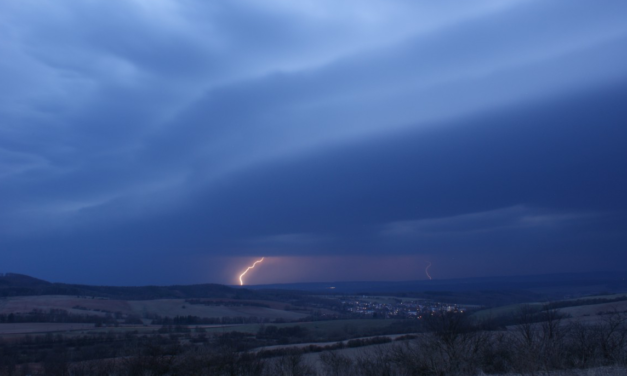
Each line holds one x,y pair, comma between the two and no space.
73,304
31,328
512,309
178,307
161,307
594,309
318,328
577,312
322,344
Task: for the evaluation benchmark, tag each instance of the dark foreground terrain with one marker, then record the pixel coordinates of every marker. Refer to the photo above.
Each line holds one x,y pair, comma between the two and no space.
57,329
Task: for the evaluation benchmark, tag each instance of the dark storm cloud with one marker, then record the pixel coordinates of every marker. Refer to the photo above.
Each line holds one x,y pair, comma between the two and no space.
560,160
517,217
175,130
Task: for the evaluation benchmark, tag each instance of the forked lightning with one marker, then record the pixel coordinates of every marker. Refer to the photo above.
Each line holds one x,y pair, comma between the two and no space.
427,270
241,283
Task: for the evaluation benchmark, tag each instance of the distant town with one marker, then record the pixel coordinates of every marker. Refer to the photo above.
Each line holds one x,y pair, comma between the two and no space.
397,308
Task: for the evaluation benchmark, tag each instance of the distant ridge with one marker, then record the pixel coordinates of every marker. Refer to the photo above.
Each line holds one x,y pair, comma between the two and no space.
521,288
546,284
20,280
13,284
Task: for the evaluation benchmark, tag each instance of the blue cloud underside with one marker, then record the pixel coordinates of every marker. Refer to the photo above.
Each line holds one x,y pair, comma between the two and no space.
187,129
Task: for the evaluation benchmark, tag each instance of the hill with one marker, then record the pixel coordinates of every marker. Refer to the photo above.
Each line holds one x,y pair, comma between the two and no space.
12,284
490,291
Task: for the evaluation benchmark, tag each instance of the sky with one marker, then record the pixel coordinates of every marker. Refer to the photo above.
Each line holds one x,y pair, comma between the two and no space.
178,141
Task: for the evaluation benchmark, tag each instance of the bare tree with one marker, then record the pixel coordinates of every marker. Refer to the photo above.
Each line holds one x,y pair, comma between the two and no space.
526,342
377,361
291,365
336,364
582,347
552,340
612,337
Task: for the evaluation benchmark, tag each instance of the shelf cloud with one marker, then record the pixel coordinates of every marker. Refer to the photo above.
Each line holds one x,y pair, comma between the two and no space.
161,130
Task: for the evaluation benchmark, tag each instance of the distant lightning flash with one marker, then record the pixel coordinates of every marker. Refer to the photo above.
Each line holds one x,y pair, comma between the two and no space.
241,283
427,271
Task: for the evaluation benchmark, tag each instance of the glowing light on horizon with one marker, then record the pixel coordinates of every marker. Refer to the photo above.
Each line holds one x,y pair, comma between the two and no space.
241,282
427,271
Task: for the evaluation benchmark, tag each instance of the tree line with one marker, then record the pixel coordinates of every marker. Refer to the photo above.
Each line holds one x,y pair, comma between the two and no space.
450,344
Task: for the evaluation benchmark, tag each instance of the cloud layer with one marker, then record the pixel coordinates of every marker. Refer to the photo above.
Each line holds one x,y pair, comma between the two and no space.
187,130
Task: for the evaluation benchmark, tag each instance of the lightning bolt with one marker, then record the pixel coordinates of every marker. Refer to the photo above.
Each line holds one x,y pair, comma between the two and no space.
427,271
241,283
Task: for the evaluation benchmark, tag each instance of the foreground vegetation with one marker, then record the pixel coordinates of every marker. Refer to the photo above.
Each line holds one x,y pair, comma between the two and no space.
217,330
449,344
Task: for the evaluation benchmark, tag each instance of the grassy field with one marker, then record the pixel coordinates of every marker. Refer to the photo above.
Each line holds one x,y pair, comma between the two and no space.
161,307
317,329
322,344
512,309
581,312
30,328
594,309
178,307
592,297
26,304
